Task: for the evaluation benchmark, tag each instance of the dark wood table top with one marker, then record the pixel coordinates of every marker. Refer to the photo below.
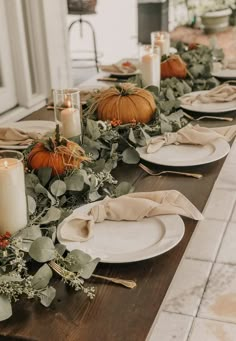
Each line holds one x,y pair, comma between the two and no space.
116,313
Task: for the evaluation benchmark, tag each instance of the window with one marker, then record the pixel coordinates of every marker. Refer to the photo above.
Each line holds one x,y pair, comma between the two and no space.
35,55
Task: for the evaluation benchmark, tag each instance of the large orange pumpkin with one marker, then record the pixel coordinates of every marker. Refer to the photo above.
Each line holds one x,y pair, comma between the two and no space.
173,66
125,103
60,159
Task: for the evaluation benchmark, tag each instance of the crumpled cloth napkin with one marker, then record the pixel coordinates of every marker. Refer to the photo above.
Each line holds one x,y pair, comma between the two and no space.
12,136
191,135
123,68
229,63
133,206
222,93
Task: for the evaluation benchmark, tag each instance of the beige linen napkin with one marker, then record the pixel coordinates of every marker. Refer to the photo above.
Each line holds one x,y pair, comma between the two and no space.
134,206
12,136
222,93
191,135
114,68
229,63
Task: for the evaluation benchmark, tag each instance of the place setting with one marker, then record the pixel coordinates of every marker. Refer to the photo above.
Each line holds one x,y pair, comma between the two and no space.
113,229
190,146
225,70
20,135
217,100
123,69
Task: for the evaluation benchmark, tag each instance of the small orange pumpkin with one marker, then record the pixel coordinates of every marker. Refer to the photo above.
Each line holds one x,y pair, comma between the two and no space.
125,103
174,66
61,158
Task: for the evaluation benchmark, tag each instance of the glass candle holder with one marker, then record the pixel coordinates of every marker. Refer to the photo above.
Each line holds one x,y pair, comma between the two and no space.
162,40
13,203
150,65
67,111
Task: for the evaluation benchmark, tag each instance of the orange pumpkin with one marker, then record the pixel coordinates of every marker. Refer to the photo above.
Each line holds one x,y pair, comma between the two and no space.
174,66
60,159
125,103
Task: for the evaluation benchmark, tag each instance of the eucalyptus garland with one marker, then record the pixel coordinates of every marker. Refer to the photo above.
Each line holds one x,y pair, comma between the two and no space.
52,198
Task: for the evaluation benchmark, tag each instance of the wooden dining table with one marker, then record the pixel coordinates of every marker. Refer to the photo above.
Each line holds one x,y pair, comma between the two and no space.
116,313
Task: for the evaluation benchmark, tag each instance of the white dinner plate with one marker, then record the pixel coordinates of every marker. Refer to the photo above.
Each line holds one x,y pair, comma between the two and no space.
129,241
184,155
42,127
208,108
225,74
125,75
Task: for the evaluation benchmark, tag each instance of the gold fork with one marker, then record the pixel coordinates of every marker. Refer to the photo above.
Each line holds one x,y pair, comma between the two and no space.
62,272
151,172
220,118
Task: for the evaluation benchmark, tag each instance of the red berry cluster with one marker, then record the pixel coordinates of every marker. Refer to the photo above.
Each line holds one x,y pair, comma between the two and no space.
4,240
115,122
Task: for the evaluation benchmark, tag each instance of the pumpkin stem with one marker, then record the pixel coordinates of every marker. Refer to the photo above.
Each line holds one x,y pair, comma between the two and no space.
57,135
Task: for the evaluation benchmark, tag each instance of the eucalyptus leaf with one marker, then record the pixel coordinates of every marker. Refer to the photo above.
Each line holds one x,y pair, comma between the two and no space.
123,188
76,259
58,188
92,129
88,269
152,88
60,248
170,94
130,156
5,308
85,176
114,147
93,183
31,204
98,166
42,277
52,233
109,166
31,180
94,196
166,127
42,250
53,214
74,182
47,296
30,232
132,137
44,175
42,190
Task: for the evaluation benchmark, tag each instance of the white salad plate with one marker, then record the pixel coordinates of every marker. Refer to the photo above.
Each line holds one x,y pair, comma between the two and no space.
185,155
42,127
129,241
208,108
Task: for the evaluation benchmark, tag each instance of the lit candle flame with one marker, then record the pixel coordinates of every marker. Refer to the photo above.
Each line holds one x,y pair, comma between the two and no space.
67,102
5,163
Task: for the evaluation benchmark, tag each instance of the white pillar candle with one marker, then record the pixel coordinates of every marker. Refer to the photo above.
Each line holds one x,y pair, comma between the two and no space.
13,206
150,69
70,120
162,40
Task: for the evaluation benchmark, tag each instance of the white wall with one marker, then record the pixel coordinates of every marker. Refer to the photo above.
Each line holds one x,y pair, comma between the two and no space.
115,25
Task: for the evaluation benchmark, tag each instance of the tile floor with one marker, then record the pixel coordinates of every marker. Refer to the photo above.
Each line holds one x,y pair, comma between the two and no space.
201,301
